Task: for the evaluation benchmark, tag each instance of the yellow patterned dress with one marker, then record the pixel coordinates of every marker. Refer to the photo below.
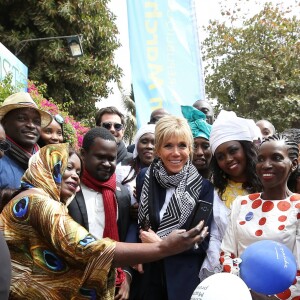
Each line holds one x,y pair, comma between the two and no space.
232,191
52,256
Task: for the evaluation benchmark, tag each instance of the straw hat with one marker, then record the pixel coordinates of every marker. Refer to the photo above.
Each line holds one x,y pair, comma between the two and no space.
23,100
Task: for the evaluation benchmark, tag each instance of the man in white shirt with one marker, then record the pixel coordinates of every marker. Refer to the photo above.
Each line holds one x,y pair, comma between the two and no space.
102,205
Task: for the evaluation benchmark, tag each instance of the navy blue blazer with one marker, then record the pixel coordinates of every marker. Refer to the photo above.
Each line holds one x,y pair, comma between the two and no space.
180,272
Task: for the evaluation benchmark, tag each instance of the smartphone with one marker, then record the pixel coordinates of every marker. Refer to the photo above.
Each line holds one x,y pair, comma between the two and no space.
202,211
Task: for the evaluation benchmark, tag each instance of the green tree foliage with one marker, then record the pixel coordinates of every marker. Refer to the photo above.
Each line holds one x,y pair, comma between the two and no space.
129,105
254,69
6,88
76,82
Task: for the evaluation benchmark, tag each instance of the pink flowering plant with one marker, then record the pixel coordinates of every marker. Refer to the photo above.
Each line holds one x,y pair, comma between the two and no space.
73,130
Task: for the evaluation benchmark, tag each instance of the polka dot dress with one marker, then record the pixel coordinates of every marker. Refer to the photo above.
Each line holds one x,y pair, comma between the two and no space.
254,219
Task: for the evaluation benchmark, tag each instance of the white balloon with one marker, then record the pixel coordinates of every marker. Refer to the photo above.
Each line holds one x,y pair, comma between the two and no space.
223,286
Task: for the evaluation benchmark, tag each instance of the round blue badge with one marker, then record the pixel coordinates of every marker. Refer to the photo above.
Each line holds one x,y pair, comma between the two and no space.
249,216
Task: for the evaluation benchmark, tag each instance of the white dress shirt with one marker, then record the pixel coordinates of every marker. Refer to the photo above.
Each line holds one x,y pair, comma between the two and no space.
95,211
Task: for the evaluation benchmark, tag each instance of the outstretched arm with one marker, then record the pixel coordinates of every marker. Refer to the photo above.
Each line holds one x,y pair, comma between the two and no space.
177,242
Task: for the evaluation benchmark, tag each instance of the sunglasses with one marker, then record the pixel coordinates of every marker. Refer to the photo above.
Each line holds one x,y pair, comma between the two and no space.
108,125
59,119
4,146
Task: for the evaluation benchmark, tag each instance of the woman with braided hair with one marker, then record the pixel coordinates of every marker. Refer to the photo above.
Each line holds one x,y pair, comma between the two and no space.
294,180
272,214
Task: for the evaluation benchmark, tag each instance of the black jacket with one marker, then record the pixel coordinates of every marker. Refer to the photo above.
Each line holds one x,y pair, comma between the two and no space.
123,156
77,210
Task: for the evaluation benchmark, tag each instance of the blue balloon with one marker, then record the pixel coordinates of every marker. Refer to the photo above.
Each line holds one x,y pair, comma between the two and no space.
268,267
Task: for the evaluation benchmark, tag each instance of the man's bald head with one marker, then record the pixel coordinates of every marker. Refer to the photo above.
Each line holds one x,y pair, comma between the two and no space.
267,128
157,114
206,108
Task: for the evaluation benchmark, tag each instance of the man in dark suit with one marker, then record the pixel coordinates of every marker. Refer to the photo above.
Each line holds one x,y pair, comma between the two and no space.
102,205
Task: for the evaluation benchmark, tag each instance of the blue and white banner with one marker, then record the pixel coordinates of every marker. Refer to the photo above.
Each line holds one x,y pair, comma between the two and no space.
10,64
165,57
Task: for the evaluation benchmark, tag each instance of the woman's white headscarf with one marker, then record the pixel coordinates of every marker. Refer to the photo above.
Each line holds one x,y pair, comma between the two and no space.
229,127
148,128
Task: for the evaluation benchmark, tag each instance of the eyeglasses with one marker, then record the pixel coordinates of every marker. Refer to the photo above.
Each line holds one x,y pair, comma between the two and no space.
59,119
108,125
4,146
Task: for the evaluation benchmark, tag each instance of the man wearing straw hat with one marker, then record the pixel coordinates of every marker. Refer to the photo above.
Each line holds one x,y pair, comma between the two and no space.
22,121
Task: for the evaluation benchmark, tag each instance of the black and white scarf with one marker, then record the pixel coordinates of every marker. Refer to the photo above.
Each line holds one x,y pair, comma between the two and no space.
187,184
19,154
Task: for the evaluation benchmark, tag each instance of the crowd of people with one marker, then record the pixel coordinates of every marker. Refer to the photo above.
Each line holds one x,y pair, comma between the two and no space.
117,222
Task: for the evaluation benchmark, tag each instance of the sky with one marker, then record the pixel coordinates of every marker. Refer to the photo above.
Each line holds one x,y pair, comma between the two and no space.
205,10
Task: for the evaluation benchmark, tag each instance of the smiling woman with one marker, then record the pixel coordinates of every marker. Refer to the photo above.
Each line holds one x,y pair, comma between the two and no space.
53,133
52,178
170,191
234,156
233,169
272,214
70,179
142,157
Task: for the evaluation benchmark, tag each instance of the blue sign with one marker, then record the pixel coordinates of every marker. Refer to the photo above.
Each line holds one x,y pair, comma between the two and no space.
10,64
165,57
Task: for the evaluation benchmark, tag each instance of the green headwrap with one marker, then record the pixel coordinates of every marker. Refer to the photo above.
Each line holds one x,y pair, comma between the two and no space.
197,121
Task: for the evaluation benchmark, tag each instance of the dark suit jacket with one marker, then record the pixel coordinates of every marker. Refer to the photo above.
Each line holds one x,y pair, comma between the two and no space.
77,210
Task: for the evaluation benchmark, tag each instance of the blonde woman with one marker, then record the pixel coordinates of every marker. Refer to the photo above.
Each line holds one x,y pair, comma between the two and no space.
172,188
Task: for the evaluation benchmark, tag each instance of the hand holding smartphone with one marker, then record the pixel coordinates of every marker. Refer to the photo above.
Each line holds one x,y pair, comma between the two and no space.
202,211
